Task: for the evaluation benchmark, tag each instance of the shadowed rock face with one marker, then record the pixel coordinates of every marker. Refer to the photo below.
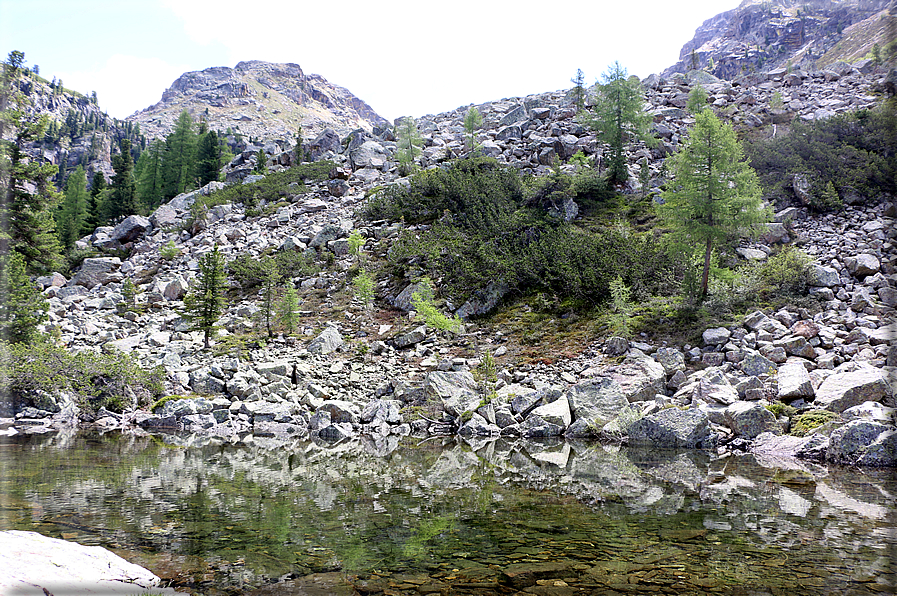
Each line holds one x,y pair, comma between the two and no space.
757,35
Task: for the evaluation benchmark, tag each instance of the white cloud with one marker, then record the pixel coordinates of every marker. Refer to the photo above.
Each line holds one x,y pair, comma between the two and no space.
125,84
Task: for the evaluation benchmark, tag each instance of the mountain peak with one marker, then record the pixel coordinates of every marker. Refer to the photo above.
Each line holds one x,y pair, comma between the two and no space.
259,99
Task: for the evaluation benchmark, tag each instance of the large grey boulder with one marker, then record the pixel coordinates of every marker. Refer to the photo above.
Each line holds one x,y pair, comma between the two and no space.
851,385
750,419
882,452
794,381
164,217
673,428
328,140
863,265
596,401
824,277
413,337
96,271
370,154
483,300
755,365
132,228
671,359
716,336
326,342
31,563
848,443
556,413
382,410
340,411
457,390
640,378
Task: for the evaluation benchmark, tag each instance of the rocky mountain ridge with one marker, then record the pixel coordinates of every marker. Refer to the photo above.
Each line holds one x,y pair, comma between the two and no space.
260,100
762,35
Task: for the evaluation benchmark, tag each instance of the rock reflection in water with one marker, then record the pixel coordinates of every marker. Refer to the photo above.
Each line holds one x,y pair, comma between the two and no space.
263,516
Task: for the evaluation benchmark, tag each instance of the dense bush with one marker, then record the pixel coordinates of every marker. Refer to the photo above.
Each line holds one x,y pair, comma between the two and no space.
273,187
113,380
487,229
250,271
851,153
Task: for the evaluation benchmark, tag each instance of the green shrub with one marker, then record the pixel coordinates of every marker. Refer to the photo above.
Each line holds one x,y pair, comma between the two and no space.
806,423
169,250
787,272
363,283
250,271
422,301
111,380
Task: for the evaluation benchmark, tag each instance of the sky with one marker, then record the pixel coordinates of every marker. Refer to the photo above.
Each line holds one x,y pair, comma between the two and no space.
404,58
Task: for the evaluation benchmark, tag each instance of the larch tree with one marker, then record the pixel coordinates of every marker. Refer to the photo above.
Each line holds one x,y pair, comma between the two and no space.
618,117
204,304
71,218
123,198
28,197
208,158
714,194
409,145
472,121
149,175
180,155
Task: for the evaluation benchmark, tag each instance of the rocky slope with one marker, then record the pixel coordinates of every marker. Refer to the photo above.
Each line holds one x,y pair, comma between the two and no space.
258,99
760,35
380,372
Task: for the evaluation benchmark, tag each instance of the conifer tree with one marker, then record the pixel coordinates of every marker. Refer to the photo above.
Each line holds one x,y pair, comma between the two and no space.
579,91
149,177
22,305
410,142
180,154
714,193
72,216
123,198
95,201
28,197
472,121
205,303
208,158
618,118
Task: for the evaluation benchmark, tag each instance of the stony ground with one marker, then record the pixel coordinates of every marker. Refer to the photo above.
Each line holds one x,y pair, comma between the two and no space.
379,371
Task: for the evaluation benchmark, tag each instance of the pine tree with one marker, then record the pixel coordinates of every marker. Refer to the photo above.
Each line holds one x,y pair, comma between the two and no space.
71,217
208,158
619,117
22,305
472,121
149,178
123,199
94,202
410,142
28,197
579,91
180,154
714,193
204,304
287,308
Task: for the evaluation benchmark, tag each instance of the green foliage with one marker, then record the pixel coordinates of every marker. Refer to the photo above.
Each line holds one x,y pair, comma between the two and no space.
804,424
159,403
781,409
697,100
287,311
169,250
111,380
621,308
208,158
356,243
28,198
486,375
22,305
618,118
270,280
129,294
578,92
72,215
249,271
409,144
149,173
486,233
179,162
422,301
472,121
123,199
363,283
260,162
787,272
852,153
275,186
204,304
714,195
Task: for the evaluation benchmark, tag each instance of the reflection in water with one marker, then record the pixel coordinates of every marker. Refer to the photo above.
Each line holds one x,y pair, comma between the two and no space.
493,517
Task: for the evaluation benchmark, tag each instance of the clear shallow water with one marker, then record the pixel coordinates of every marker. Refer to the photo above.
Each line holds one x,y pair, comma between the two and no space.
267,517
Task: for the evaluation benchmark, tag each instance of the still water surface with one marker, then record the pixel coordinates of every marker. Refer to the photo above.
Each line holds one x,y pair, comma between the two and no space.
398,517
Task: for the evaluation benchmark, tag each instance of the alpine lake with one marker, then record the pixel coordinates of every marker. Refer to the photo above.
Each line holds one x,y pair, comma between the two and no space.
404,516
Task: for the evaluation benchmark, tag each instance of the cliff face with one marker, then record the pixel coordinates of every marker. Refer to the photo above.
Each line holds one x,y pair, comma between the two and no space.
259,99
761,35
